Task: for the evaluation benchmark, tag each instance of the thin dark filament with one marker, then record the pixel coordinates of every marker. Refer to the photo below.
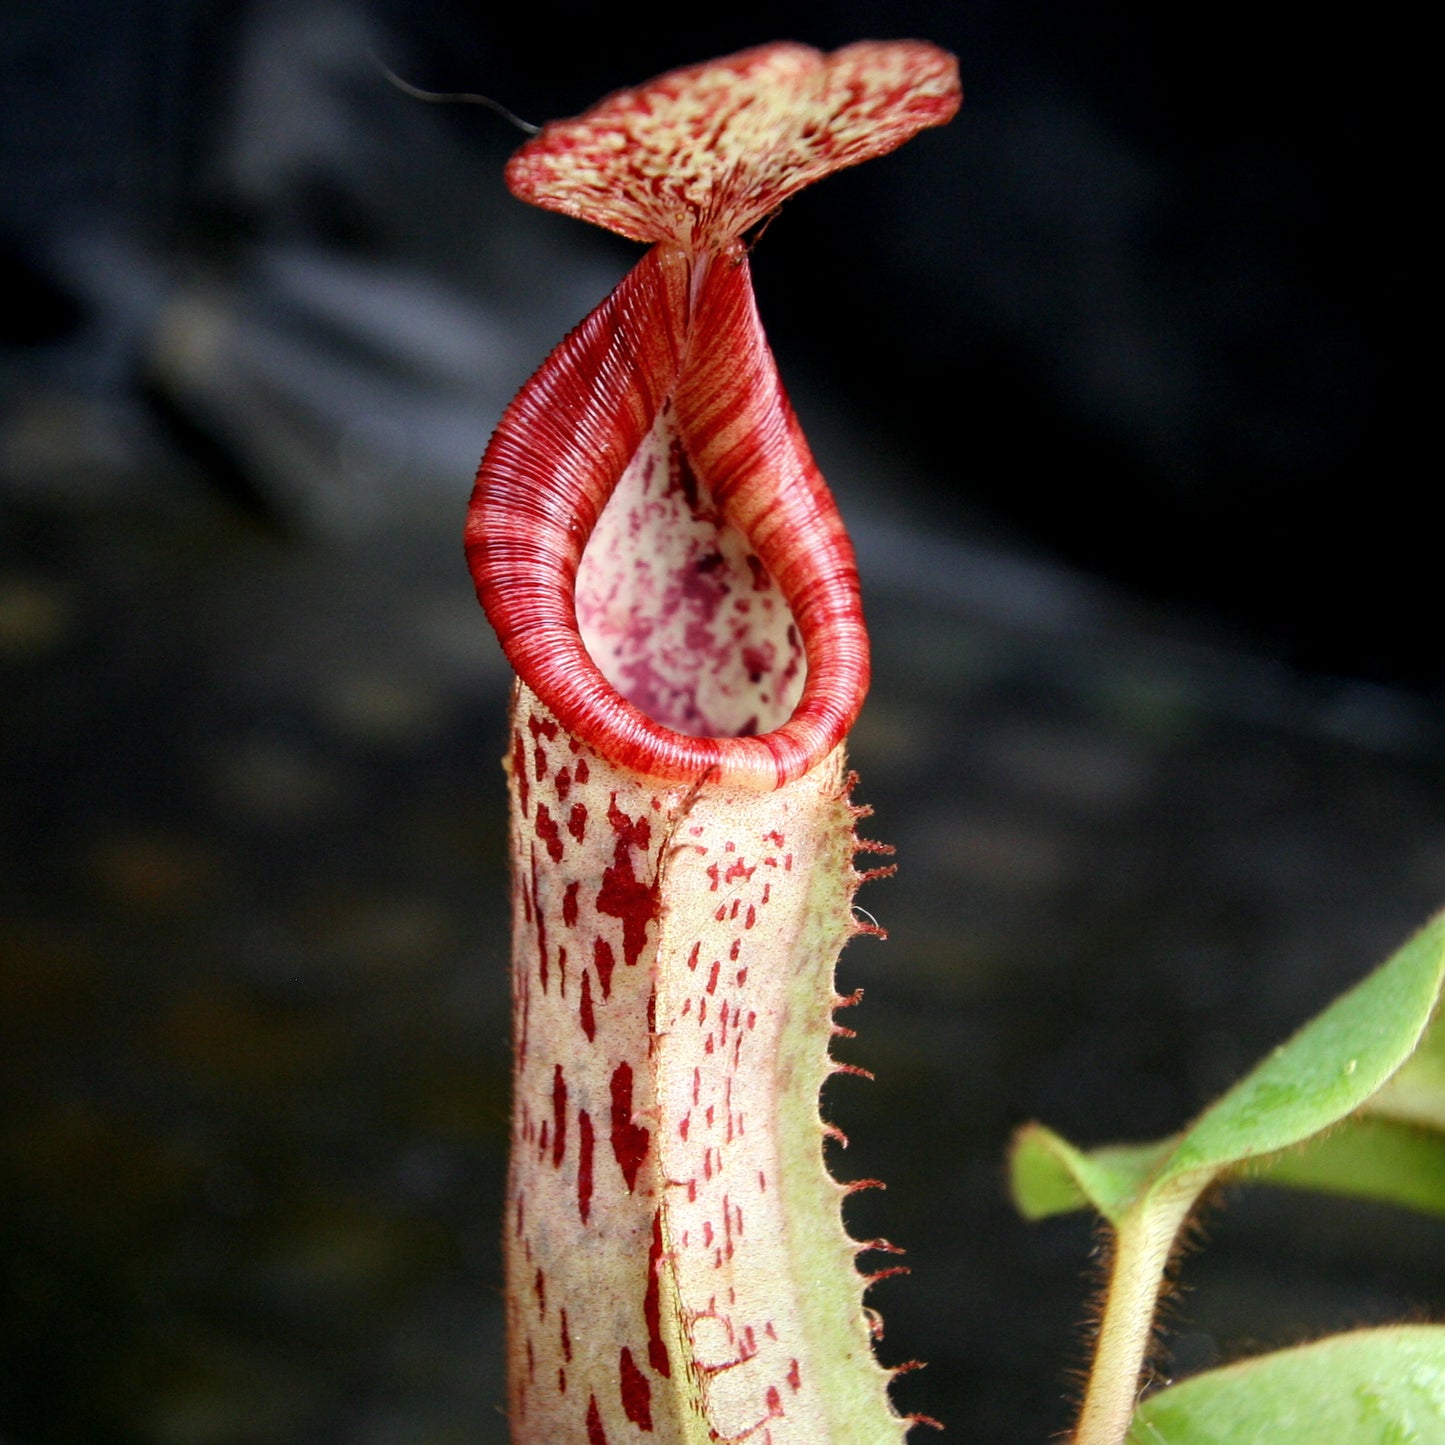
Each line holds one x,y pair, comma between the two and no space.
435,97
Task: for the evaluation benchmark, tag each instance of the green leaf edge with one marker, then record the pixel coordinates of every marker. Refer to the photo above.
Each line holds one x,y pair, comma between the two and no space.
1369,1387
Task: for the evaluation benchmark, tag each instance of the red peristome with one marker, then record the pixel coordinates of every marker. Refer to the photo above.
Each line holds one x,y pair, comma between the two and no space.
700,155
686,330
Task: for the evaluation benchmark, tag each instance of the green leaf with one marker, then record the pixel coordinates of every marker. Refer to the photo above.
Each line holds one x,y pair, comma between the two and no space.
1359,1056
1416,1095
1329,1069
1049,1176
1367,1158
1372,1387
1298,1117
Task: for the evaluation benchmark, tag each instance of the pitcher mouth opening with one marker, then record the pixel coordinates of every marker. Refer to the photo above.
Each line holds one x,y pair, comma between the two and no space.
676,609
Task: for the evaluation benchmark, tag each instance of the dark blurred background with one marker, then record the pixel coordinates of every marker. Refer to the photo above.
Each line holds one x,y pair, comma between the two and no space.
1105,377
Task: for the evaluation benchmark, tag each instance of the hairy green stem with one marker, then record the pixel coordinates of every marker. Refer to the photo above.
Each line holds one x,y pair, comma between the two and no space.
1142,1246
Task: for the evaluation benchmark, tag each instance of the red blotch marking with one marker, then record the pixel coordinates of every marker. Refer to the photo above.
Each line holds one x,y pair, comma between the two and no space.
636,1392
776,839
692,958
539,761
559,1117
585,1015
652,1303
630,831
751,918
584,1164
737,948
539,1288
712,977
629,1140
795,1378
564,784
561,1380
548,832
582,773
737,869
569,905
577,821
540,921
541,727
531,1362
775,1403
596,1435
519,771
566,1339
742,977
622,895
758,662
604,963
